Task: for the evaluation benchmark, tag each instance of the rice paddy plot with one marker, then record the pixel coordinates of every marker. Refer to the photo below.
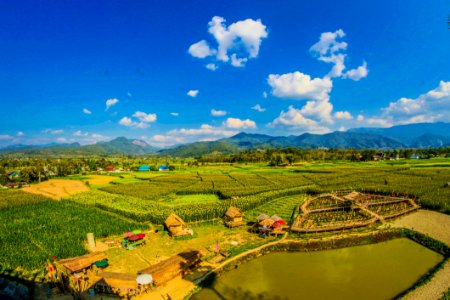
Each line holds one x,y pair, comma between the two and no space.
282,207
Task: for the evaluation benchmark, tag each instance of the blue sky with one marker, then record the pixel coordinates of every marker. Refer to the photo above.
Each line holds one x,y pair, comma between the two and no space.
177,71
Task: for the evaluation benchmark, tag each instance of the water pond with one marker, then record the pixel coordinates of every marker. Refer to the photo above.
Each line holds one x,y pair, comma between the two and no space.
376,271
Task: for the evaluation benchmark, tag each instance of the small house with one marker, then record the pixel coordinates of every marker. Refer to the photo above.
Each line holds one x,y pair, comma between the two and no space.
110,169
144,168
415,156
116,283
163,168
81,263
233,217
176,226
174,266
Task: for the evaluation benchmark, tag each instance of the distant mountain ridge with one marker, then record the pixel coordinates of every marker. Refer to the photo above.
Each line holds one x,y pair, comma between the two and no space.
420,135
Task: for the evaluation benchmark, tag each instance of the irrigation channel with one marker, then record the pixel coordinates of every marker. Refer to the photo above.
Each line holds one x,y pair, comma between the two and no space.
375,271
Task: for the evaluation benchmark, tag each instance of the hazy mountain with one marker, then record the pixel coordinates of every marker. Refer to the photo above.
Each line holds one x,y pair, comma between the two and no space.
120,145
247,141
431,141
408,134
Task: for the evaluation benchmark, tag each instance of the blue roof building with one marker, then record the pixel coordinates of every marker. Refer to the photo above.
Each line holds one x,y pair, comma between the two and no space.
163,168
144,169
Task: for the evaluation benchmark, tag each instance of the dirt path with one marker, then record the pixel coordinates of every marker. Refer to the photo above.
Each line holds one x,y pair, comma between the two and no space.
437,226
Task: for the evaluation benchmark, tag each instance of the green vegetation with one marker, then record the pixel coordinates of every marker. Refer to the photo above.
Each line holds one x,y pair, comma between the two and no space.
14,198
31,234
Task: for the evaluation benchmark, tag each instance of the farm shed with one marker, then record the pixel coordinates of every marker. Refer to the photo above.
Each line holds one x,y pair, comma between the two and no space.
233,217
176,225
110,168
172,267
80,263
163,168
144,168
111,282
262,217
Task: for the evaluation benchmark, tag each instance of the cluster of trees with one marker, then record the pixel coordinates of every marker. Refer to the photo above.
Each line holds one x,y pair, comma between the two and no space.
277,157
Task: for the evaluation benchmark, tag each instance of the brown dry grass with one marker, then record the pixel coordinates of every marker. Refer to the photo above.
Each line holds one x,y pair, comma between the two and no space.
101,179
57,188
437,226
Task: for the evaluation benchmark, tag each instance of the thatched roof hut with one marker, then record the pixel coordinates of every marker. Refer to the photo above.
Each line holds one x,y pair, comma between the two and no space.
266,222
233,217
275,218
172,267
262,217
175,225
122,281
79,263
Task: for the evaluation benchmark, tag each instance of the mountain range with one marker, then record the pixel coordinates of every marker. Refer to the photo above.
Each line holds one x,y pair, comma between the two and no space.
419,135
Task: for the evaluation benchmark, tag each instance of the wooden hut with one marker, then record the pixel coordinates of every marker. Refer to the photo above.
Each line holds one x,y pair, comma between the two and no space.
233,217
81,263
172,267
176,225
116,283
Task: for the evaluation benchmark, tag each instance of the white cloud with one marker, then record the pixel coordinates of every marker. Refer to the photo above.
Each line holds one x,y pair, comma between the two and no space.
342,128
240,40
218,113
201,49
58,131
129,94
86,111
432,106
238,62
328,43
212,67
80,133
236,123
258,108
264,94
345,115
360,118
144,117
300,86
141,120
358,73
330,49
125,121
193,93
296,119
111,102
61,140
20,133
175,114
4,137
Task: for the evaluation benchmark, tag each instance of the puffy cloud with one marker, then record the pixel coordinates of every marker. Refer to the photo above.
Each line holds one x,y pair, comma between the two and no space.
111,102
328,43
61,140
175,114
238,62
144,117
57,131
429,107
20,133
86,111
358,73
330,49
201,50
80,133
239,124
343,115
141,120
218,113
258,108
212,67
5,137
296,119
300,86
360,118
125,121
240,40
193,93
264,94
